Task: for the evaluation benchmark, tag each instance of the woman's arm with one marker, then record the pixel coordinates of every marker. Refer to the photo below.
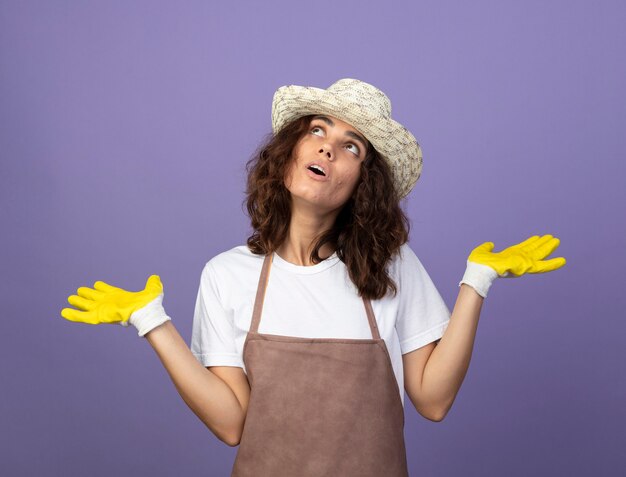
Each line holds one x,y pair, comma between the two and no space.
436,377
210,398
443,373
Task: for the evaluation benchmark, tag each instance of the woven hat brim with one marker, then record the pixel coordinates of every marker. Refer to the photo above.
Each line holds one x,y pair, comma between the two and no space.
393,141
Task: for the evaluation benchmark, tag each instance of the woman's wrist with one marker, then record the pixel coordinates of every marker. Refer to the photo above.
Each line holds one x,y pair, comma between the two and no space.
479,277
149,317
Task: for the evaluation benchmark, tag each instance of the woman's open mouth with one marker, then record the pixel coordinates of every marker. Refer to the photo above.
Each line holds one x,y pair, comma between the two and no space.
317,172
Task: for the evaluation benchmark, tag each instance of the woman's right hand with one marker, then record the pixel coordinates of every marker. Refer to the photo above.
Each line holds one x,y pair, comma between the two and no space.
105,303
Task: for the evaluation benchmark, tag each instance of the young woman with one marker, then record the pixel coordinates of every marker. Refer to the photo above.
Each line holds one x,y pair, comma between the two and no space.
305,338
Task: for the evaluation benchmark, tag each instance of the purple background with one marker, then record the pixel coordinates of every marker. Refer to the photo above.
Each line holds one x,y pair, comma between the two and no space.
124,129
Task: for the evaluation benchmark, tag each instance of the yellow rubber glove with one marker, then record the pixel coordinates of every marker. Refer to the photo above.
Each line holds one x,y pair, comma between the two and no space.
105,303
484,266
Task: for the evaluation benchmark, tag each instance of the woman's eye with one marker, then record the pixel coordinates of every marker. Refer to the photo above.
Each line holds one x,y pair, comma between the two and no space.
316,127
357,151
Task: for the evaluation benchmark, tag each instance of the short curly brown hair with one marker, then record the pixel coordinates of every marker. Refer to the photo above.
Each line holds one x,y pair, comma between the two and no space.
368,231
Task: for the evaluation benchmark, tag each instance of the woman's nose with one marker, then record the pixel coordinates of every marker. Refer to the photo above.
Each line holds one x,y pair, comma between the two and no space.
327,151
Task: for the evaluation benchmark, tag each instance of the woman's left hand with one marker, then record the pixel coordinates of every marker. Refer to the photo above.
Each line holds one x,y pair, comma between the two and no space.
484,266
517,260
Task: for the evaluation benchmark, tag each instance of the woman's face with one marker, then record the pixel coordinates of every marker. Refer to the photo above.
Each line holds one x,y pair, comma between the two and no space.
339,150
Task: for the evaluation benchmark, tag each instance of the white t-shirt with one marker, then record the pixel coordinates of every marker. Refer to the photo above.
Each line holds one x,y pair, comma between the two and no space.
317,301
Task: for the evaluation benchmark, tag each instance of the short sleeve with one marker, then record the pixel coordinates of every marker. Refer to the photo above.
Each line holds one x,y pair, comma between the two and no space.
422,314
213,334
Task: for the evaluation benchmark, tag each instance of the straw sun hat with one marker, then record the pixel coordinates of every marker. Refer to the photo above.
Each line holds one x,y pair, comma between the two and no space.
367,109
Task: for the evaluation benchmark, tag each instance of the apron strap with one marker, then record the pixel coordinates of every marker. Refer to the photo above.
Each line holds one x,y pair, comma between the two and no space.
260,293
371,318
260,296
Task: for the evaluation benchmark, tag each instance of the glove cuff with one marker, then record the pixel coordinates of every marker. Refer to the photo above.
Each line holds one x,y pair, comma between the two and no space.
479,277
150,316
